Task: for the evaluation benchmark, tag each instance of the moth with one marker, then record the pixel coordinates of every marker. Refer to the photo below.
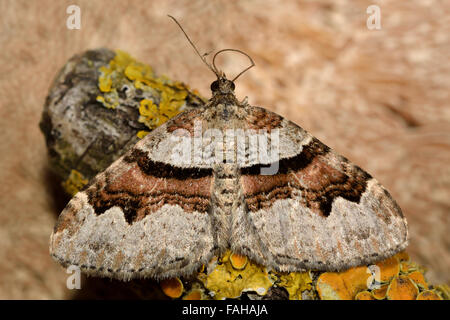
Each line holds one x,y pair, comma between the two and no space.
151,215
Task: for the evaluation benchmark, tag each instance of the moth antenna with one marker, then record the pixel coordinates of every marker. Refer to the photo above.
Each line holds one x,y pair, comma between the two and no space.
235,50
195,48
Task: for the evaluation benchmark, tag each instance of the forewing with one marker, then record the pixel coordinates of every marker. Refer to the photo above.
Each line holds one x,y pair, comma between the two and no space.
141,217
318,211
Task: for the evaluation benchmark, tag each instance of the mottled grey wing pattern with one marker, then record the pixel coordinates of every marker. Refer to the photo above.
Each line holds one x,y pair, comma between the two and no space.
140,217
152,215
319,211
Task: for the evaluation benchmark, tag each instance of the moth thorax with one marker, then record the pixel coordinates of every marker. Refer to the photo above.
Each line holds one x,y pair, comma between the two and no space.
226,186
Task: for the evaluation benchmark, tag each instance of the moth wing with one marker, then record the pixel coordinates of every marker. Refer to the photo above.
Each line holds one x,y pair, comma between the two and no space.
318,211
141,217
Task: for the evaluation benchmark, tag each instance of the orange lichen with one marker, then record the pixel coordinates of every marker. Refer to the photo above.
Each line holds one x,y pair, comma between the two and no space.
428,295
402,288
419,279
405,266
343,285
330,286
364,295
223,279
402,256
238,261
380,293
355,279
193,295
172,287
408,267
389,268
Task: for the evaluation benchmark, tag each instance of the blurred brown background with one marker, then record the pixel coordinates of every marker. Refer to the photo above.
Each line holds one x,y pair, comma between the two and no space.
379,97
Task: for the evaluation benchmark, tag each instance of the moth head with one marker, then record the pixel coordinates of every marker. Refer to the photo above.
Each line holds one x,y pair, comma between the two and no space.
222,86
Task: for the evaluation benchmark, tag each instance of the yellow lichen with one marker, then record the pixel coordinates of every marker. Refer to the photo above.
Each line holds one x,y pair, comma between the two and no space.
74,183
227,282
136,71
402,288
295,283
105,81
364,295
172,288
142,133
223,280
428,295
110,102
150,114
169,96
443,291
105,84
111,74
170,105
